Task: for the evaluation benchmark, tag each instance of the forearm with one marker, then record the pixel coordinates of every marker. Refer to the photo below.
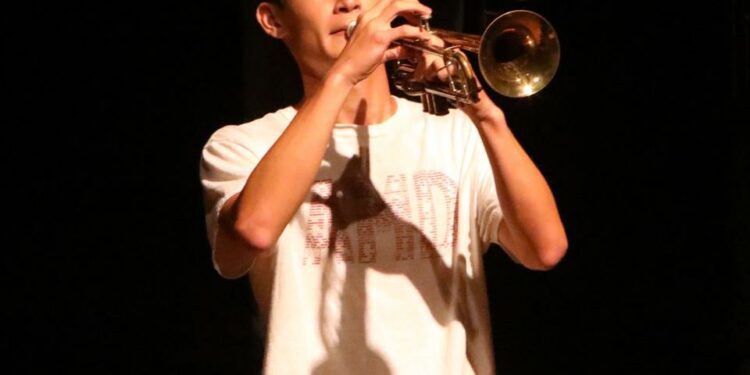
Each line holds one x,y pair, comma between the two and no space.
255,217
282,179
531,226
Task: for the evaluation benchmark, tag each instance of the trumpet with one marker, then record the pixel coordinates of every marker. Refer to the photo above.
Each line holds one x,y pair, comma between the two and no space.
518,55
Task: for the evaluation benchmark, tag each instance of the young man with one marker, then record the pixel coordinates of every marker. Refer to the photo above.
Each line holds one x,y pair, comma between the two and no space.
359,219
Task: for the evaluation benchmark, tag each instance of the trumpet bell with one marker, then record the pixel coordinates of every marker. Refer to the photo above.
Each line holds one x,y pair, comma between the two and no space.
519,53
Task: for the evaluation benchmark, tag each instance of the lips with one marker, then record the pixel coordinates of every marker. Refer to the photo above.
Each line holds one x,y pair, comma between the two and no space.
339,30
343,27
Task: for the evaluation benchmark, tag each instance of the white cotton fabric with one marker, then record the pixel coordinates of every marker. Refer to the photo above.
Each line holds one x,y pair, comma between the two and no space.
380,270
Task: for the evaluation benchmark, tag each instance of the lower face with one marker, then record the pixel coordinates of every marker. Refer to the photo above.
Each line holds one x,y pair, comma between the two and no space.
317,31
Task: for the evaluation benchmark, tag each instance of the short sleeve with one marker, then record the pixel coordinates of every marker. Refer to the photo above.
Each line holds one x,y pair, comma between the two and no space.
489,213
224,168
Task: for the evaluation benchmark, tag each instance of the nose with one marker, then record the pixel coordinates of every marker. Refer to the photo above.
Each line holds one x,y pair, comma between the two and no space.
347,6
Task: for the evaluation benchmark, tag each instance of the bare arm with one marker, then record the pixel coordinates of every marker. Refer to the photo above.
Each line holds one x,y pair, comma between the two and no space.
531,228
274,191
279,183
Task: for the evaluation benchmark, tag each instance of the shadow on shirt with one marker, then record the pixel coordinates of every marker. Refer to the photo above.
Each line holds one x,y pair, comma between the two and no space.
353,199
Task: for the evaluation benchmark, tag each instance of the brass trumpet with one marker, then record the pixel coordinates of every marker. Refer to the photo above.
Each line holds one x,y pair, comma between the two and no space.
518,54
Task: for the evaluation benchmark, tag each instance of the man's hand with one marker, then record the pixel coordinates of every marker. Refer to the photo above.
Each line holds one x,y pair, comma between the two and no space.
371,43
431,68
531,228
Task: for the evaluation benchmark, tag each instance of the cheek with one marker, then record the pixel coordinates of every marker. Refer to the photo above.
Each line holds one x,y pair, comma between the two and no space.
306,41
310,35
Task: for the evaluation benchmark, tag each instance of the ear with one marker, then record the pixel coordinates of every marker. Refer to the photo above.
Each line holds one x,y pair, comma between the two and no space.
268,17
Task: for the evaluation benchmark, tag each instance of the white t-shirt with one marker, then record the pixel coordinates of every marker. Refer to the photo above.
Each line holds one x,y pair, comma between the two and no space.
380,270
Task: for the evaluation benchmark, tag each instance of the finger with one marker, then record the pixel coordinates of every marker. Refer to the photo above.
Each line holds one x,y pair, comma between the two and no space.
442,73
406,32
434,71
402,53
409,9
397,53
382,14
430,69
436,41
378,8
374,11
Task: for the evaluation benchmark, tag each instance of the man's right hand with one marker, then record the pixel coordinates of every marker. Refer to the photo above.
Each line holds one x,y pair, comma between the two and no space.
371,43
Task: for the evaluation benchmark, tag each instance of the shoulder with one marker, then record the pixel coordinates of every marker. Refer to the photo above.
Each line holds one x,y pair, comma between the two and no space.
256,132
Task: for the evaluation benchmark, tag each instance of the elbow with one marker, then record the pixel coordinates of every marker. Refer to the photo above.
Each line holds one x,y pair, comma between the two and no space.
553,255
237,244
236,248
259,239
550,254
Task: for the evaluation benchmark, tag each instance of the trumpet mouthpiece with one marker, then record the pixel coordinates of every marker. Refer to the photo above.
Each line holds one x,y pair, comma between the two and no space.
350,28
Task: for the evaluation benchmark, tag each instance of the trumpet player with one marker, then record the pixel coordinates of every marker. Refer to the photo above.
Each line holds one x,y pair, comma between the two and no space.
359,220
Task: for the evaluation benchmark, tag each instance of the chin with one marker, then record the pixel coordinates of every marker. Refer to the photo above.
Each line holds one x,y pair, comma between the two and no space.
336,47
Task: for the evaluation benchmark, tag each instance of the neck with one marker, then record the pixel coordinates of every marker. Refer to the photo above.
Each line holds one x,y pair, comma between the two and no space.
369,102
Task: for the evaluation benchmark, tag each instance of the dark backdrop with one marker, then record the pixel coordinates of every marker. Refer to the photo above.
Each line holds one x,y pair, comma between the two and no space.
641,136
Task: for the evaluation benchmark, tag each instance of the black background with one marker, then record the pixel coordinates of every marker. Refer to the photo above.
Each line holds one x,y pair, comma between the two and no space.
641,135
